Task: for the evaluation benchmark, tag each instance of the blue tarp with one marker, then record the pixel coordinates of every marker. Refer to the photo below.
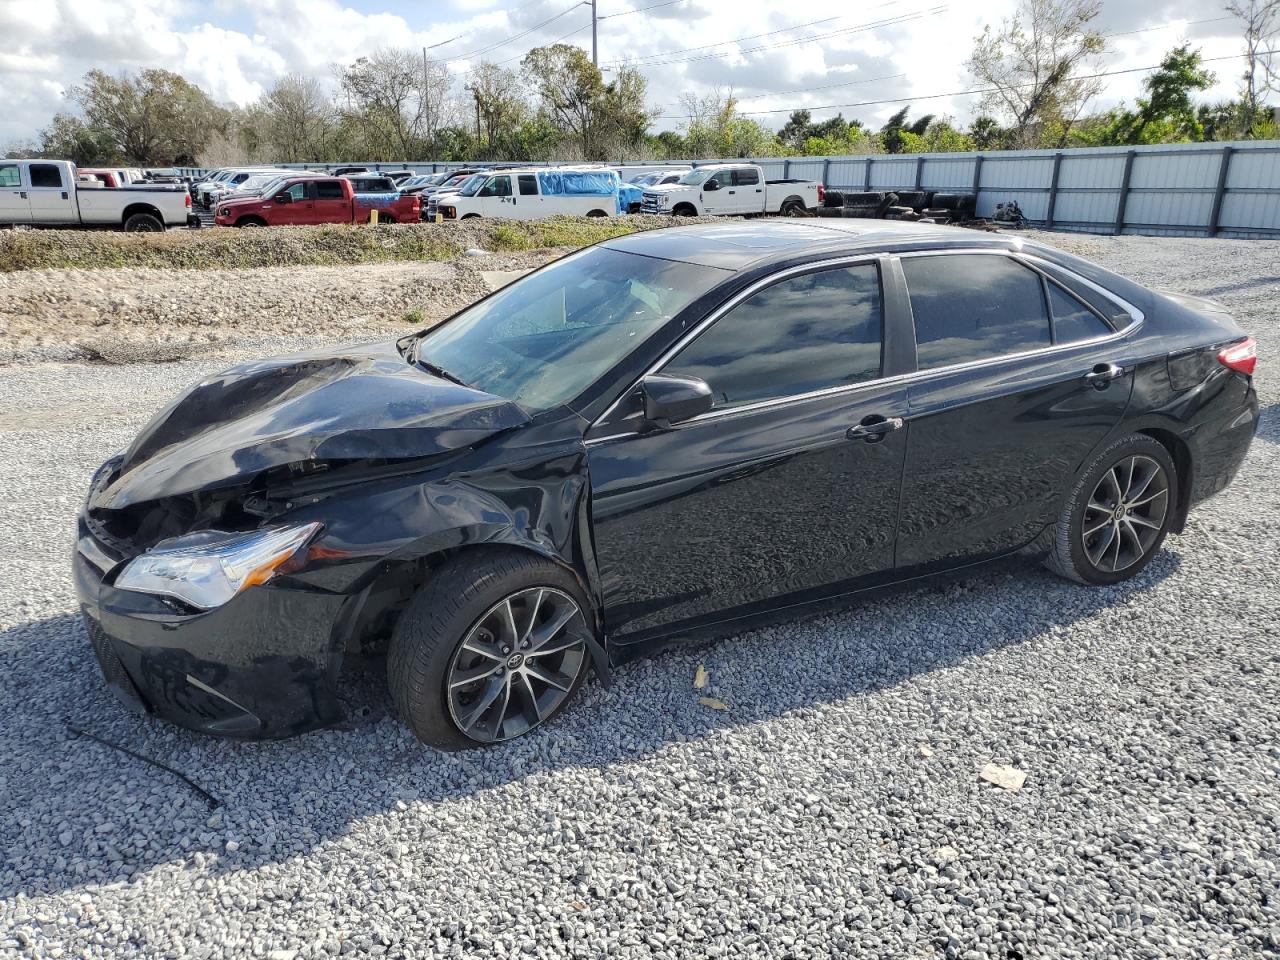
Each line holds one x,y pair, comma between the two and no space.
582,183
628,194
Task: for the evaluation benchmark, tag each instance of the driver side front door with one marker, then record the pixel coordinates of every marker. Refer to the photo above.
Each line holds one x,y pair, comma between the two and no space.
785,491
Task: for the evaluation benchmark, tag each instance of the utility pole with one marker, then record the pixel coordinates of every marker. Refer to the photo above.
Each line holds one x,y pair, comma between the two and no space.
595,59
426,93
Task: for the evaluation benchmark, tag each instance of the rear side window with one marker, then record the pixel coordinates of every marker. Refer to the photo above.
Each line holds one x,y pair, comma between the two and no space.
745,177
1072,320
329,190
10,176
974,307
806,333
45,175
528,185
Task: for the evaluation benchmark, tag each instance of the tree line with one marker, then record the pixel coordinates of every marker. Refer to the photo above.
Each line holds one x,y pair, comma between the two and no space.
1036,74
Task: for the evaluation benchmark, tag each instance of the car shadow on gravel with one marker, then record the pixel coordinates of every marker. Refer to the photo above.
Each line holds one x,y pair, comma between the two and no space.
78,813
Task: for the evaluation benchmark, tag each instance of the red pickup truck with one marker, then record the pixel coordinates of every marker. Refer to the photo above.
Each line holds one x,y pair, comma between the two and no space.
312,200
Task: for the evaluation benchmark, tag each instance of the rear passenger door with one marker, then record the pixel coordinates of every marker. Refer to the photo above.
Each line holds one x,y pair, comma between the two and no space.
51,200
1006,406
786,488
14,205
749,190
528,201
331,203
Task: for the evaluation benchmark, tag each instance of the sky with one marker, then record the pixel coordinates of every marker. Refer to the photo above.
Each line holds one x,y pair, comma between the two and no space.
877,51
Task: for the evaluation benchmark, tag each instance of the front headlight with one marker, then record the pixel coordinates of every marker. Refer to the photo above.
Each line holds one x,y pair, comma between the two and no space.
664,200
224,212
209,569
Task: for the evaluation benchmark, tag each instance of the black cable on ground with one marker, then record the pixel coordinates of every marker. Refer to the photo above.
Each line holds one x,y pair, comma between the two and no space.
209,798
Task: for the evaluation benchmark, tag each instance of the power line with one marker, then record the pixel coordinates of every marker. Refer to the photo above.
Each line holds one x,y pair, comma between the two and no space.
652,6
512,39
521,56
844,31
467,33
971,92
711,46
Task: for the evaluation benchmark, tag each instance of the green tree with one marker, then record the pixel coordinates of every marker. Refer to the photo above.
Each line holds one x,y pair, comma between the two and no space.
1166,114
1040,66
571,90
153,117
69,138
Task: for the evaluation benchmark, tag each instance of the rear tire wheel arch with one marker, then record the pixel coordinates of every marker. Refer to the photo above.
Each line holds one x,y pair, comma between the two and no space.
1068,556
143,223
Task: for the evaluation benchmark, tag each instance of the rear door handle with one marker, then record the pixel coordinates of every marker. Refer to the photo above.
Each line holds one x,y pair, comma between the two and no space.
1102,375
874,428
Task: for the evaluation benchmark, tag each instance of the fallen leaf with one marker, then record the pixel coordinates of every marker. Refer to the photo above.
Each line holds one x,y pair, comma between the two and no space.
578,905
700,677
1006,777
713,703
926,750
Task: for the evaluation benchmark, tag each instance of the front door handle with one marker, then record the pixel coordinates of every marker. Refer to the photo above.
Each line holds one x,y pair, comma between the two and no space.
1102,375
874,428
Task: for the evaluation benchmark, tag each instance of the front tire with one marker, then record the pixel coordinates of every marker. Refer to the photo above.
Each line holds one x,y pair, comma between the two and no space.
1118,513
495,645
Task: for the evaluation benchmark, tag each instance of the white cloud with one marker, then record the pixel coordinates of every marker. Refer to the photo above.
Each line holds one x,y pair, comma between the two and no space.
235,49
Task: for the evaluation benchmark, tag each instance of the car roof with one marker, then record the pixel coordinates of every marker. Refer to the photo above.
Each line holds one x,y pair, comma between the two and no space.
739,244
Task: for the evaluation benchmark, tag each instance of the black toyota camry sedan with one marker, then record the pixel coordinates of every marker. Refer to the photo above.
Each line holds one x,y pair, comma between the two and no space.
665,435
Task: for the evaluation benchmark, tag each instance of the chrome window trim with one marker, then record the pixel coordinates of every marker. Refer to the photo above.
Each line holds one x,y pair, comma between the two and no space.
1137,316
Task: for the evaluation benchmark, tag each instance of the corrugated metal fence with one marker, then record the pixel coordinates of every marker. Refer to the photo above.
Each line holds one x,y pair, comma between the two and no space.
1204,189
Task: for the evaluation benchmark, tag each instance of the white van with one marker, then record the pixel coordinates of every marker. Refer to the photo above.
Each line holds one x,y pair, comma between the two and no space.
535,193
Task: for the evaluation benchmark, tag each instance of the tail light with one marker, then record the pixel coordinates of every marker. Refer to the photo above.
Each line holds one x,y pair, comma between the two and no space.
822,193
187,198
1241,357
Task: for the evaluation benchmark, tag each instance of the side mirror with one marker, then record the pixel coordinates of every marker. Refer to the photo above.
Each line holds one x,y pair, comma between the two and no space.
669,400
711,185
284,198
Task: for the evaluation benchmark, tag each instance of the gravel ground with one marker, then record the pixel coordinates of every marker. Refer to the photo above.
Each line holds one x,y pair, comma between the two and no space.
834,808
124,316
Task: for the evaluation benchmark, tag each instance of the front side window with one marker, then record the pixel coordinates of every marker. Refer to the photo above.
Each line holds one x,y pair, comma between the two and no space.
10,175
497,187
297,191
45,175
811,332
974,307
542,340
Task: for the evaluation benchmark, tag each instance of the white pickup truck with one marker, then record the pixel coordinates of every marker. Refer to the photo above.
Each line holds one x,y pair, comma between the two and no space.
44,193
732,189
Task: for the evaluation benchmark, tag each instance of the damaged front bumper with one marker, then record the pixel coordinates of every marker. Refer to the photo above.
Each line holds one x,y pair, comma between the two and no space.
262,665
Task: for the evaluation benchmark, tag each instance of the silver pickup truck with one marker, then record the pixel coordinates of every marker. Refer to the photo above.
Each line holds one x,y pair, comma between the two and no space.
44,193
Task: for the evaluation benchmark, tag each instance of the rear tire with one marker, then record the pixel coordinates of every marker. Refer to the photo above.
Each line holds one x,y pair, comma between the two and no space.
456,626
1117,514
792,208
144,223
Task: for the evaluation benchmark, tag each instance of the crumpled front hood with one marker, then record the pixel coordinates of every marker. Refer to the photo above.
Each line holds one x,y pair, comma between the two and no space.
354,403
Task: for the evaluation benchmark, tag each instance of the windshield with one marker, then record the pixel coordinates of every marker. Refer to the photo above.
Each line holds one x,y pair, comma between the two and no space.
542,340
472,186
645,179
695,177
